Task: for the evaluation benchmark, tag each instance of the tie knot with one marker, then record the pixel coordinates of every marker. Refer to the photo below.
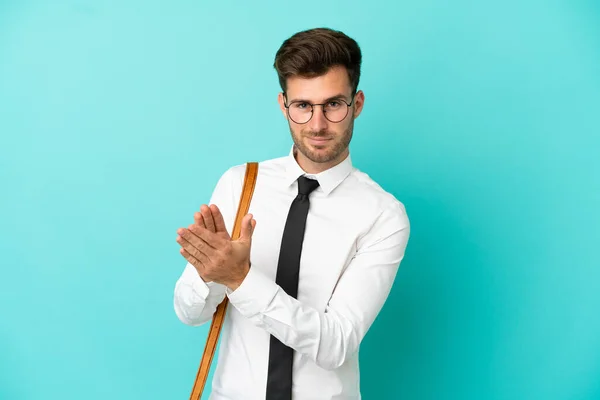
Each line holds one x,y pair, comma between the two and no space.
306,185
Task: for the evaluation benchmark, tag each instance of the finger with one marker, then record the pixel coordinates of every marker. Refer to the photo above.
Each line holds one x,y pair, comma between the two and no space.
187,246
192,260
208,218
247,227
218,218
203,258
190,236
197,264
198,219
210,240
197,254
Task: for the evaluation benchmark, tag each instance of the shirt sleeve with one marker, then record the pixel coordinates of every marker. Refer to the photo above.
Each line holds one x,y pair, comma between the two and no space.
330,337
195,300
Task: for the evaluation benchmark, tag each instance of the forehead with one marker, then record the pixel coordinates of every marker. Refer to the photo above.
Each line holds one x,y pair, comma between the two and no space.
319,88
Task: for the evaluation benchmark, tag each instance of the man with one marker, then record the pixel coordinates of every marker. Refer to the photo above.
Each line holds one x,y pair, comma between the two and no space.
318,250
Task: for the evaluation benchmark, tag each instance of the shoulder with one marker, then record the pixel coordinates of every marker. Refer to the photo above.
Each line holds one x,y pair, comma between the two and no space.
386,218
372,195
235,174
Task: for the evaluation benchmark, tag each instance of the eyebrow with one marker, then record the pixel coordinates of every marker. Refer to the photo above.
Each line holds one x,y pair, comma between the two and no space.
337,96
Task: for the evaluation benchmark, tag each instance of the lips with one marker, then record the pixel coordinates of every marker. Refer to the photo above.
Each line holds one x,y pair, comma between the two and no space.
318,141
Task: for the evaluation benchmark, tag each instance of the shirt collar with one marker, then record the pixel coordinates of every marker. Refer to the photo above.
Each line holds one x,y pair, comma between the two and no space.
328,179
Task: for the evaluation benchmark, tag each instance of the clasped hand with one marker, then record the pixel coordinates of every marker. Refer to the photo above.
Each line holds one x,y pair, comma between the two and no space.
208,247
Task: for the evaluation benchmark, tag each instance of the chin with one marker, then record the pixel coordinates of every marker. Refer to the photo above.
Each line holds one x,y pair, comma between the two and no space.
319,147
319,154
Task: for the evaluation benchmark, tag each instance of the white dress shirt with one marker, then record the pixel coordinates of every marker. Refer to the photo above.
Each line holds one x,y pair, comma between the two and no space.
355,238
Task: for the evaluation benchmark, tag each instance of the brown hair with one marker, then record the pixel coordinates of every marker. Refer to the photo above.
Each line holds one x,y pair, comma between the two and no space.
313,52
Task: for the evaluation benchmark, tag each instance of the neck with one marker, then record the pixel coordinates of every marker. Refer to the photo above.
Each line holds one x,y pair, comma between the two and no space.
311,167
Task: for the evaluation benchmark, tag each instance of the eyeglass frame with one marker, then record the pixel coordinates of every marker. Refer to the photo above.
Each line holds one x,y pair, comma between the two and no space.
312,108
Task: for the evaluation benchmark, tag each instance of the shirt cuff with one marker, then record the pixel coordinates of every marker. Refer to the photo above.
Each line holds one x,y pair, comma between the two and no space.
201,288
254,293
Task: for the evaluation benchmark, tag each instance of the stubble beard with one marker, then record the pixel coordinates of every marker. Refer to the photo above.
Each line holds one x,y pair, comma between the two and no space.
334,149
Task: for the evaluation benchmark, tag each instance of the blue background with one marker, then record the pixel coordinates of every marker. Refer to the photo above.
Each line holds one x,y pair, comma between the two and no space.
483,118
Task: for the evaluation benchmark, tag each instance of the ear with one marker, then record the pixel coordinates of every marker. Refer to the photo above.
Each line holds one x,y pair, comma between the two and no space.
281,101
359,102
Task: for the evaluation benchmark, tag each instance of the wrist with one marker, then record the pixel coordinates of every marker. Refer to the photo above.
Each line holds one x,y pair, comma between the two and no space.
237,281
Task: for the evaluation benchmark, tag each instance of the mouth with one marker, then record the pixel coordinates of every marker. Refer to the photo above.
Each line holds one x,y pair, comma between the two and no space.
318,140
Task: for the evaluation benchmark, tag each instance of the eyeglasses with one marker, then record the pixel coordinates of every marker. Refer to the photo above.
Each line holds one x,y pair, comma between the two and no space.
334,110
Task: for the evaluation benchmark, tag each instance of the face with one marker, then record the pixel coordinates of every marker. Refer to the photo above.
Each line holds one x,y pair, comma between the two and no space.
321,143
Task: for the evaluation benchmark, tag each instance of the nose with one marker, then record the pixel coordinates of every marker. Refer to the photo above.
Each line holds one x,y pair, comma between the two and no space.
318,122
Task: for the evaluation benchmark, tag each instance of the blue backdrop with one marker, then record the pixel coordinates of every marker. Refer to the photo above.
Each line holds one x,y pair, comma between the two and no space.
117,118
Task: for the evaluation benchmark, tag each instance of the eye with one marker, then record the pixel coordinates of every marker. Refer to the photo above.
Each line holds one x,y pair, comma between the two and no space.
300,105
334,105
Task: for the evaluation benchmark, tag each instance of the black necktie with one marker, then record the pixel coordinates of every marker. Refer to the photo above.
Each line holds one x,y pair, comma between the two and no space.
279,380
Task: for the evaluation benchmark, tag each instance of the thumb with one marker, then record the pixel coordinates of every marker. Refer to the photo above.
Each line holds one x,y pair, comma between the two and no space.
248,224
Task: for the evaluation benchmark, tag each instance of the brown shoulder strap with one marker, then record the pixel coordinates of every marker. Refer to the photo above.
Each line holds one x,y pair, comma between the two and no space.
219,315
